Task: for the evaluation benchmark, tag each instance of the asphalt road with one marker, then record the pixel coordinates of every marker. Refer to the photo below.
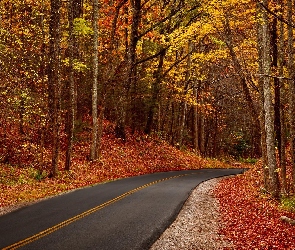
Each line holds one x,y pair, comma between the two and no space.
125,214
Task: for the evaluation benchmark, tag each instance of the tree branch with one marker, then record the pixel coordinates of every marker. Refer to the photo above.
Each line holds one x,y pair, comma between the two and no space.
176,63
274,14
151,57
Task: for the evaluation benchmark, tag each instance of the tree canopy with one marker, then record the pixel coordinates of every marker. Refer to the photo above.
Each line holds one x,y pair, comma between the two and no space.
215,77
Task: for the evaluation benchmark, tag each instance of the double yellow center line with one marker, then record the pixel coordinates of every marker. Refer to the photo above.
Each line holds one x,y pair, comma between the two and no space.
82,215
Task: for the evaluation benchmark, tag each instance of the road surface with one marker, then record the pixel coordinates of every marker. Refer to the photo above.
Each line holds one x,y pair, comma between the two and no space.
126,214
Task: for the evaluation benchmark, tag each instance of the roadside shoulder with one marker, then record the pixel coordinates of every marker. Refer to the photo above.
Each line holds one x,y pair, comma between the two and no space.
197,225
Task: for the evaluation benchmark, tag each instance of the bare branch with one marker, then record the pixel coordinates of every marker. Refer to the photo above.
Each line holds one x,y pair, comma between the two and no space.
273,76
151,57
275,15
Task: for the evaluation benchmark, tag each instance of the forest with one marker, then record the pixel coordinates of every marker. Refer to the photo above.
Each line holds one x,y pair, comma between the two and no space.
92,91
215,78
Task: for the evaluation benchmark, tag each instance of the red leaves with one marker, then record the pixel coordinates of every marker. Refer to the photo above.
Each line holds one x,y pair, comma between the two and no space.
140,154
250,221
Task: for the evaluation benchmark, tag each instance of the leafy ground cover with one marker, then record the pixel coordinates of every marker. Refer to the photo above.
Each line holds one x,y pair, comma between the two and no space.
251,219
139,155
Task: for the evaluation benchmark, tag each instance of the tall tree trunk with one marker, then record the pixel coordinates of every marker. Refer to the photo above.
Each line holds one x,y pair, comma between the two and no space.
195,122
268,106
54,81
183,109
262,113
202,134
291,69
94,141
134,38
74,11
126,98
282,103
277,103
155,93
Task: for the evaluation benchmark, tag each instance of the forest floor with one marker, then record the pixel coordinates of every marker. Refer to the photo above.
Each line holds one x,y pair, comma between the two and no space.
250,218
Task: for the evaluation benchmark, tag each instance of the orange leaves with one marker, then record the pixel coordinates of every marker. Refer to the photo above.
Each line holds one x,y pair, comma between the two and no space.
252,222
140,154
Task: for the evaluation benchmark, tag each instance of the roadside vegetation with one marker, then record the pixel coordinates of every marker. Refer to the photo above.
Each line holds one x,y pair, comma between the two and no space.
251,217
93,91
138,154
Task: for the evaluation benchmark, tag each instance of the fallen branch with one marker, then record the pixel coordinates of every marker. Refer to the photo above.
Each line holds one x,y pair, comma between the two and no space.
288,220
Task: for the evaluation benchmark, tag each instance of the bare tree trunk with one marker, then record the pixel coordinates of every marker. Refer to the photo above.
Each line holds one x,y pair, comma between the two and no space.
202,137
262,113
195,122
184,103
126,99
183,111
43,120
277,99
134,37
268,106
73,12
54,81
94,141
282,104
155,94
291,88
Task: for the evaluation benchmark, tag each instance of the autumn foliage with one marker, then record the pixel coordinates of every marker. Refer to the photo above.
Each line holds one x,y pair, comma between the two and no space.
139,154
251,219
201,76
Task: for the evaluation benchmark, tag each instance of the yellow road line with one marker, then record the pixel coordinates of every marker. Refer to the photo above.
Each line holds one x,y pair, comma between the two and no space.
82,215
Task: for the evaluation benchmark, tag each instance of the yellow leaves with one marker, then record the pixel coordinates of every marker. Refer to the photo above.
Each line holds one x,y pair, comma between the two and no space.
210,57
222,5
78,66
217,41
82,27
195,33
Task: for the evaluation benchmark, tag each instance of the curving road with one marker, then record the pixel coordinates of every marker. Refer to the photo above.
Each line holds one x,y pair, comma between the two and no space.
126,214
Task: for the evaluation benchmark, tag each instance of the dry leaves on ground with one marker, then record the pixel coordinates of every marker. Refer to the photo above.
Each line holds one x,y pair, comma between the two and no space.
251,220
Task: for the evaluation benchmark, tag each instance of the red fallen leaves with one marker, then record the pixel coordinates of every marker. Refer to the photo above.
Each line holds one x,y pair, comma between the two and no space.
251,221
138,155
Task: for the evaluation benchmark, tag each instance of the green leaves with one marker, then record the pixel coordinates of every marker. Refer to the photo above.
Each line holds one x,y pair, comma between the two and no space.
82,27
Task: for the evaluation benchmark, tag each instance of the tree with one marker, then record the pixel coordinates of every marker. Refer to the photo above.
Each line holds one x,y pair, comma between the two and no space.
242,73
74,11
155,93
291,87
268,106
94,144
54,82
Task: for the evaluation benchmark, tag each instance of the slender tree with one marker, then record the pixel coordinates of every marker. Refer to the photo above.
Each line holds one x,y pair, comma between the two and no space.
260,84
281,41
155,93
268,106
195,122
183,108
71,88
54,81
74,11
94,142
291,86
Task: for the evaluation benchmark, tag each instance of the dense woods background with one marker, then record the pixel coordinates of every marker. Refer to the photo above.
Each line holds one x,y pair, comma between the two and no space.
216,77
